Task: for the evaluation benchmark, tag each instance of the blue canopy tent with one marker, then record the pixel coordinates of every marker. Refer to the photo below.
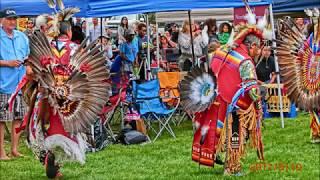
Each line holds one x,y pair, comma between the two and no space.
103,8
36,7
281,6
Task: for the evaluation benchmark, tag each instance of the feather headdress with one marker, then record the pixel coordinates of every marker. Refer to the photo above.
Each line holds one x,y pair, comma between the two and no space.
59,15
261,29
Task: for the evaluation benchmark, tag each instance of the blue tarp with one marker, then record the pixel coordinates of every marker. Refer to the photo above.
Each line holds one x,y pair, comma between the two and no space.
293,5
104,8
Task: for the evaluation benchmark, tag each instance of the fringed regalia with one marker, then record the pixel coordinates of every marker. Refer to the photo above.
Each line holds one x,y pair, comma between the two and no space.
299,61
65,95
225,100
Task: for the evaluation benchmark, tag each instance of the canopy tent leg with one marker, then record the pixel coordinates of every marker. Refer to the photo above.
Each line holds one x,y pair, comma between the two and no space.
191,39
158,48
274,45
148,62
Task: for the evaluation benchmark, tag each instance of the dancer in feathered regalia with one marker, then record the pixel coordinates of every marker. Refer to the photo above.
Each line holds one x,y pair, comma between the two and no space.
64,89
299,61
226,99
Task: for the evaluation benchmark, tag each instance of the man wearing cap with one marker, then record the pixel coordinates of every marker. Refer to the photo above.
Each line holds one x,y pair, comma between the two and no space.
14,49
128,51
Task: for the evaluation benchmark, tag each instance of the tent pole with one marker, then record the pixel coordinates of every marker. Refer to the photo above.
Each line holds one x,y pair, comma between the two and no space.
274,45
88,29
147,73
101,33
158,48
191,39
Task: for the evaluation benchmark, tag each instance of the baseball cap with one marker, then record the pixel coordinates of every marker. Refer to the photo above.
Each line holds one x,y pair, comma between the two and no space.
8,13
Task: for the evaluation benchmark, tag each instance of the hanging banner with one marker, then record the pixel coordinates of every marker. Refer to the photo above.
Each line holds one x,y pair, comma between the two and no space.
239,13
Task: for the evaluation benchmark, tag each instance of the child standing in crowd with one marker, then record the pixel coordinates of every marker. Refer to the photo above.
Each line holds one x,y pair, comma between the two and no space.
104,41
224,33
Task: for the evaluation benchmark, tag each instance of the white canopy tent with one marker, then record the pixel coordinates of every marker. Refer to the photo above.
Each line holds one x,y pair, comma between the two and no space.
223,14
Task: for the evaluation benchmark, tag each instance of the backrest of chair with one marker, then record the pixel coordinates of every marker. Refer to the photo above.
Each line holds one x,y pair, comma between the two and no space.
170,54
146,90
169,83
169,79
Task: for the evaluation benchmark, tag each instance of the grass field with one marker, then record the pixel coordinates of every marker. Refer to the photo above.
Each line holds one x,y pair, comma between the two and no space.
169,158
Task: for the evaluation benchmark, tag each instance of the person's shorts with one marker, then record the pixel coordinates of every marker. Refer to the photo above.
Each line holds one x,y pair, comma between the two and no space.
18,110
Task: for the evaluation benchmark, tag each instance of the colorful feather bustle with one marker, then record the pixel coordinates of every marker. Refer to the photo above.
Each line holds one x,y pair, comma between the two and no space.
198,90
300,65
81,97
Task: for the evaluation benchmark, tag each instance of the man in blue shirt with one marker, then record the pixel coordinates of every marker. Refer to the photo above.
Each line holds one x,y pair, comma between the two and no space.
141,42
128,52
14,49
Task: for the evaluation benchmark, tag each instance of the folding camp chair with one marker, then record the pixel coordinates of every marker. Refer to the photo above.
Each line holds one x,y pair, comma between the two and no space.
148,103
169,89
109,111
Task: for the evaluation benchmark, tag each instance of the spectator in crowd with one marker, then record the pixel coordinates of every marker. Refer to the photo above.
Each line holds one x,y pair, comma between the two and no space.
84,27
30,27
141,42
301,26
78,21
210,37
224,33
185,60
166,42
134,26
96,31
124,25
167,34
212,29
265,67
105,43
77,35
128,52
153,31
14,50
174,32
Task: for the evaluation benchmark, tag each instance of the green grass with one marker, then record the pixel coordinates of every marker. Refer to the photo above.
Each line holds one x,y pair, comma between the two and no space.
169,158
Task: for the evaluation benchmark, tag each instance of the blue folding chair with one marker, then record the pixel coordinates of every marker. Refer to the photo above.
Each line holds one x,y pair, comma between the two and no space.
148,102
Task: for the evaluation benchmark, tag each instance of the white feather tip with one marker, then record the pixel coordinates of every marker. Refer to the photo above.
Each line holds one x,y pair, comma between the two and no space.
316,12
267,34
308,12
251,18
262,23
231,39
204,130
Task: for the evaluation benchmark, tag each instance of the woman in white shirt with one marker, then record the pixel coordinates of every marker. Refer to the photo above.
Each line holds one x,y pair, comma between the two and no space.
184,41
121,29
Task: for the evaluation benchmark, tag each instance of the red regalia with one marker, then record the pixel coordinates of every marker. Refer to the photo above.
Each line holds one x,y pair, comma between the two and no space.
65,95
226,102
